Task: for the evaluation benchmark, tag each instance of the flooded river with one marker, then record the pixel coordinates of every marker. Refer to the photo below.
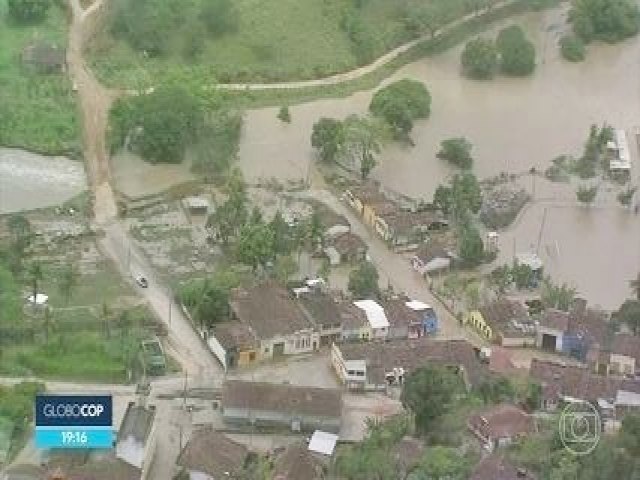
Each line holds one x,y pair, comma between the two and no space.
29,180
513,123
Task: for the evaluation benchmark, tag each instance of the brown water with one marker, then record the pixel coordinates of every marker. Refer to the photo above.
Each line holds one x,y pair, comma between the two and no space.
514,124
29,180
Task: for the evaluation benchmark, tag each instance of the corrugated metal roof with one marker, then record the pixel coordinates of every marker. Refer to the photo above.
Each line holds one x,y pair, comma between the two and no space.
375,313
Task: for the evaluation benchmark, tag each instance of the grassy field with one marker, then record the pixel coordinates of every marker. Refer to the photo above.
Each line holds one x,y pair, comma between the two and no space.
274,40
37,112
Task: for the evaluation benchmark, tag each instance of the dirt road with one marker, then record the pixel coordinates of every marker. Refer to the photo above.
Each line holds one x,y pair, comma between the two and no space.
95,101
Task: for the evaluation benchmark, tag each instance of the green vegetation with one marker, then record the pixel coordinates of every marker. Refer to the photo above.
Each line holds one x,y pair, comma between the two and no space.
517,53
471,248
606,20
572,48
593,157
327,137
462,195
479,59
400,103
629,315
457,151
560,297
38,110
28,11
586,195
284,115
430,392
626,196
363,281
16,415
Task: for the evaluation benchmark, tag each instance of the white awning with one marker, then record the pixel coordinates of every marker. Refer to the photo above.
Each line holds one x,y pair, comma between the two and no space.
323,442
417,305
375,313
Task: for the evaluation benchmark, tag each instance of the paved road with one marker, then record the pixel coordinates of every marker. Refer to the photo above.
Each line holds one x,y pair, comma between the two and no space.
393,266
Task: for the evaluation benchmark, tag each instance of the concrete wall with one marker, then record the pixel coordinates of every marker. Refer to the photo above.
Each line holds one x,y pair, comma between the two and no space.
218,350
549,331
622,364
285,420
301,342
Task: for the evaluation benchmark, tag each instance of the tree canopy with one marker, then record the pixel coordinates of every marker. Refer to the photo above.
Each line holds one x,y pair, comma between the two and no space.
28,11
629,314
456,151
363,281
607,20
363,138
429,392
328,138
471,248
479,59
219,16
517,53
586,194
400,103
572,48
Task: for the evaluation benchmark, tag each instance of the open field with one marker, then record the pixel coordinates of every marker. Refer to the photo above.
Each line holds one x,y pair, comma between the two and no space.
38,111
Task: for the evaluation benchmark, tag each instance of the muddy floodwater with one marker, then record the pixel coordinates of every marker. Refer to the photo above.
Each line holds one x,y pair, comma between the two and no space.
29,180
513,123
594,249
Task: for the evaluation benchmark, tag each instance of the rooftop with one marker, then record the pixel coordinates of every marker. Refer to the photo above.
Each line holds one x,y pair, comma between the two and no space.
268,310
555,319
626,344
137,423
323,402
415,353
321,308
347,243
502,421
235,335
401,221
400,314
297,463
431,250
213,453
351,316
508,316
375,313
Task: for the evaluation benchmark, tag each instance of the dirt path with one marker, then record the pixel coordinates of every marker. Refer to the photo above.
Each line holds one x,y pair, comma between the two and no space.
95,101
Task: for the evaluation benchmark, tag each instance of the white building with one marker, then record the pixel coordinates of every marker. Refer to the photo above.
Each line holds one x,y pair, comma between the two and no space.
136,441
618,150
376,317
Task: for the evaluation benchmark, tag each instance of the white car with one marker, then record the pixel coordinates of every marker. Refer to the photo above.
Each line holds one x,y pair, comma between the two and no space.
142,281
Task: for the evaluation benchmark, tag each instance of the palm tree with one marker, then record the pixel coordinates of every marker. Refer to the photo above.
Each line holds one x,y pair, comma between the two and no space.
35,274
635,286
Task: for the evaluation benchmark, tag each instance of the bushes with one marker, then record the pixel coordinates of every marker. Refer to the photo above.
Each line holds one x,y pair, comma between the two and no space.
479,59
28,11
517,54
219,16
456,151
572,48
607,20
400,103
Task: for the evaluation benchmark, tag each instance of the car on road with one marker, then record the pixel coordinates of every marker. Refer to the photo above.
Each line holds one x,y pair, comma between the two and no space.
142,281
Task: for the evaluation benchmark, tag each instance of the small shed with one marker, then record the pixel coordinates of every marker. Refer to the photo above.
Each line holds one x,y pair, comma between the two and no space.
44,57
196,205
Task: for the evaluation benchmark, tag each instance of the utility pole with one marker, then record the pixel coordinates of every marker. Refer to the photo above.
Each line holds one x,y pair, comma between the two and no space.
544,219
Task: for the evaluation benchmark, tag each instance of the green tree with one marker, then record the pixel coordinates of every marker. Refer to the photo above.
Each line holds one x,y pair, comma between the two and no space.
560,297
629,314
479,59
327,137
421,17
363,141
11,308
430,392
496,390
232,215
626,196
572,48
20,228
219,16
586,195
400,103
630,434
471,249
363,281
217,144
67,281
522,276
517,54
284,115
501,278
282,234
213,305
607,20
442,463
28,11
443,198
456,151
467,194
255,245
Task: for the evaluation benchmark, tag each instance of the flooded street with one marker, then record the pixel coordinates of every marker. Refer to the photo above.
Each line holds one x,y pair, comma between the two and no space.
513,123
29,180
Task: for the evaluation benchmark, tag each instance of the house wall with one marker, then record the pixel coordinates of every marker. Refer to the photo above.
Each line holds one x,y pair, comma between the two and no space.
398,332
218,350
247,357
549,331
516,342
369,215
361,333
437,264
574,346
300,342
348,370
270,418
379,333
195,475
623,364
476,320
